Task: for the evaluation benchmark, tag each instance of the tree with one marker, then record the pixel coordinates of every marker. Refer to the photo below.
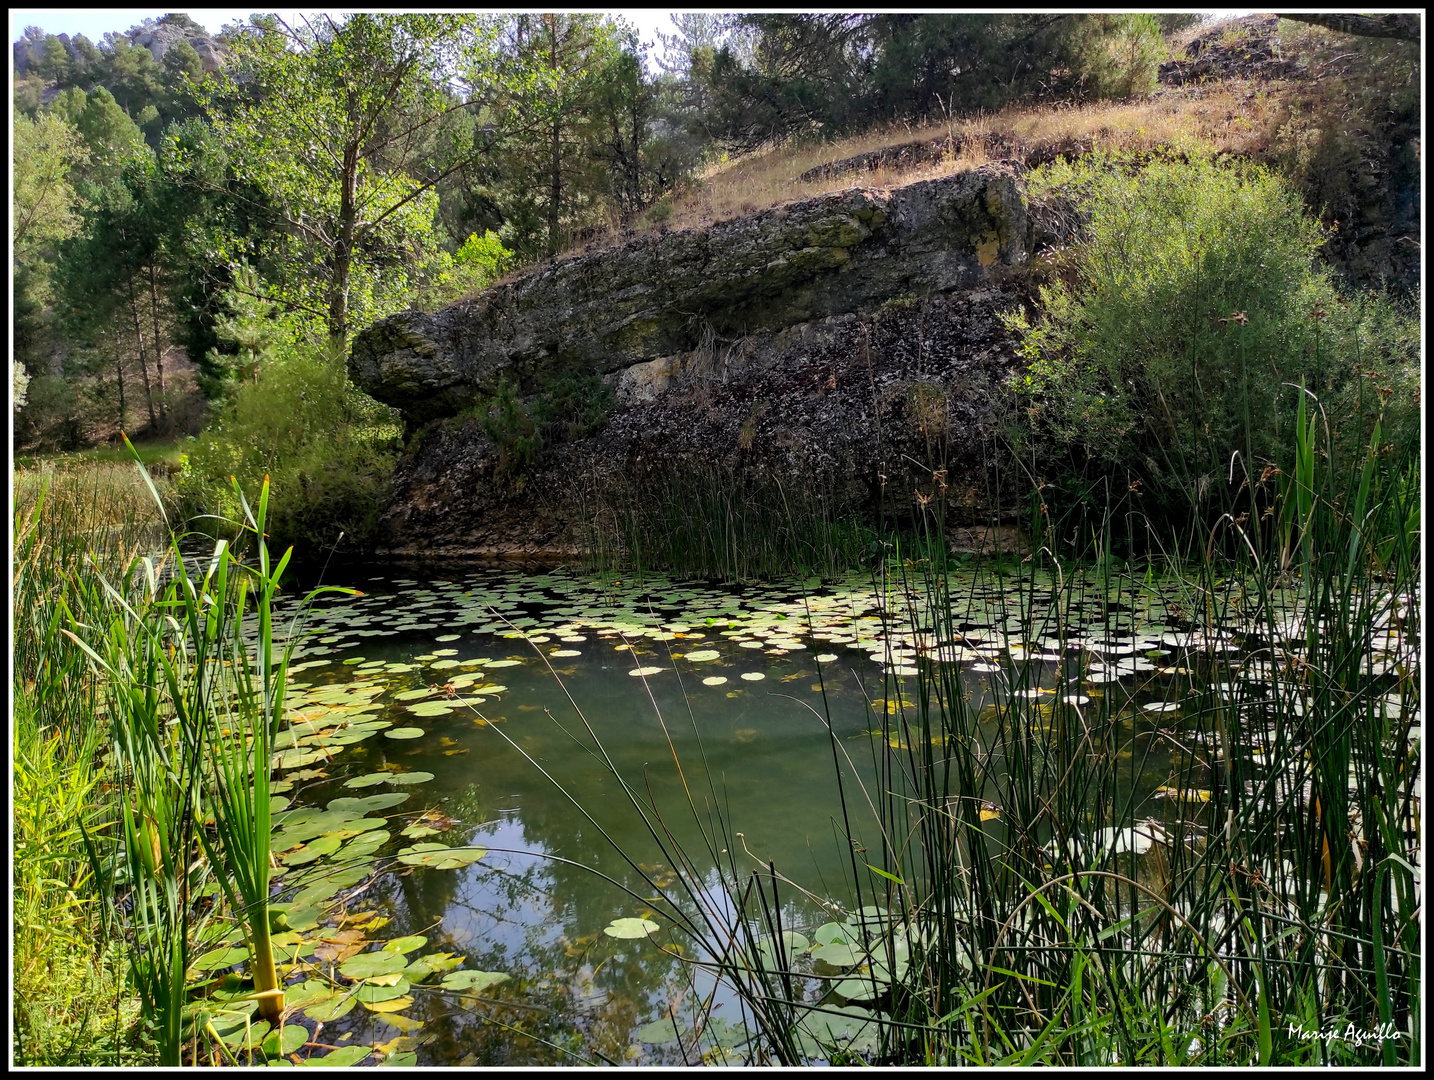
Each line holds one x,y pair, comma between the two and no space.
110,136
551,63
328,121
45,152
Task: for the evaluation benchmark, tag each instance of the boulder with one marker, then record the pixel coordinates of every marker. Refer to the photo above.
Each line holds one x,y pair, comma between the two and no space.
658,296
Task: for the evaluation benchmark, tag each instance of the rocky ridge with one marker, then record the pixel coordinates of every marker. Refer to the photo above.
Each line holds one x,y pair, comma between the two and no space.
848,348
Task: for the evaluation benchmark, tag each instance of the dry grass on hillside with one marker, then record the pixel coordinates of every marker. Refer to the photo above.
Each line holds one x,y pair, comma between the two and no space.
1235,115
1219,119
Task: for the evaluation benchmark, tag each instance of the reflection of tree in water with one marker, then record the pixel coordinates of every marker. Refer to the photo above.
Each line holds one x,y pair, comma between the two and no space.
571,985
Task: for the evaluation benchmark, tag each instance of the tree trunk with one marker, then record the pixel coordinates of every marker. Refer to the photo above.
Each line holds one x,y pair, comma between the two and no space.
556,187
343,253
1403,27
119,377
158,341
143,363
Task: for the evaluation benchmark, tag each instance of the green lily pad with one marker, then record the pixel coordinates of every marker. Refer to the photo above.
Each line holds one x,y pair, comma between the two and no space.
309,992
404,1059
369,994
431,964
406,944
367,780
502,663
414,695
286,1041
704,654
408,777
473,981
833,933
630,928
662,1031
350,829
404,732
838,954
370,802
366,965
340,1058
364,846
440,856
315,849
431,708
332,1009
220,958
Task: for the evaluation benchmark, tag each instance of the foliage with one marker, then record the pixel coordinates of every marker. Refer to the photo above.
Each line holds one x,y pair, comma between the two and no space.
329,121
824,75
473,267
45,151
1194,314
328,448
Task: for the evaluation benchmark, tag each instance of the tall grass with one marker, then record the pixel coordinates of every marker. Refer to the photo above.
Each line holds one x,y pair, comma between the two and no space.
72,527
1017,896
716,522
162,693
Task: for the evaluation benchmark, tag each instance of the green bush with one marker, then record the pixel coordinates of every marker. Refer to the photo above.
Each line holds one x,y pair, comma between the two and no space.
328,449
1194,313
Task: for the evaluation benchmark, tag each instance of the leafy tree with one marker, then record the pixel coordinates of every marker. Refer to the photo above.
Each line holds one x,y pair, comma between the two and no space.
45,152
111,137
327,121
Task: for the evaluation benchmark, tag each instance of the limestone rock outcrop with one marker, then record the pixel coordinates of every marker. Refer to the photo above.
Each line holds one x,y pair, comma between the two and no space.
658,296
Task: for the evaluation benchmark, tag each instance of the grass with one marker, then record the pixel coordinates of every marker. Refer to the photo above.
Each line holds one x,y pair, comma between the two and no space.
1014,902
164,452
73,523
715,522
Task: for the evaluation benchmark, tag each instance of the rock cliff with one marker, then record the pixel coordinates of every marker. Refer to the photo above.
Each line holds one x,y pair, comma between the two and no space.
658,296
846,350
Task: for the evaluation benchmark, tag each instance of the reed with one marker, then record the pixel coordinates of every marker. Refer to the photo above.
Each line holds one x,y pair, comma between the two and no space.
716,522
1016,895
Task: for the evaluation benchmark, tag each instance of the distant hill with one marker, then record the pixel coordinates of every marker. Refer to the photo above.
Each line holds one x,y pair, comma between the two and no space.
34,55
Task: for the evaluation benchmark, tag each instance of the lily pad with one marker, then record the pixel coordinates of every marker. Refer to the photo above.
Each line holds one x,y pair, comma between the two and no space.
703,654
367,780
753,676
414,695
366,965
332,1009
642,672
432,708
630,929
838,954
370,802
372,994
405,944
473,981
440,856
404,732
408,777
341,1058
714,680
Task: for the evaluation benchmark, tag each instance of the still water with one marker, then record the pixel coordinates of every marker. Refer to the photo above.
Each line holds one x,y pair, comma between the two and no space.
499,772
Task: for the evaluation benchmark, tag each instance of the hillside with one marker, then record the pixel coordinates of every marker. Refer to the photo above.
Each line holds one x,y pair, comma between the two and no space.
1337,114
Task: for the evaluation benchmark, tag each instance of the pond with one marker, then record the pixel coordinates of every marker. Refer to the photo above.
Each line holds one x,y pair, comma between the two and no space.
498,787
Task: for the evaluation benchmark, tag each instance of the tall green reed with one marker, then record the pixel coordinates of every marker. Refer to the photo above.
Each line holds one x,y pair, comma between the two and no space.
1043,903
194,696
702,520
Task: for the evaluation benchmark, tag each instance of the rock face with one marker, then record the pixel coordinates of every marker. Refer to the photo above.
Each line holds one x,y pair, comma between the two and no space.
656,297
863,414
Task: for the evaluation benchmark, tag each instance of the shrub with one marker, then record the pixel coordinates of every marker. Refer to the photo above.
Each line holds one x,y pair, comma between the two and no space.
1194,314
328,448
